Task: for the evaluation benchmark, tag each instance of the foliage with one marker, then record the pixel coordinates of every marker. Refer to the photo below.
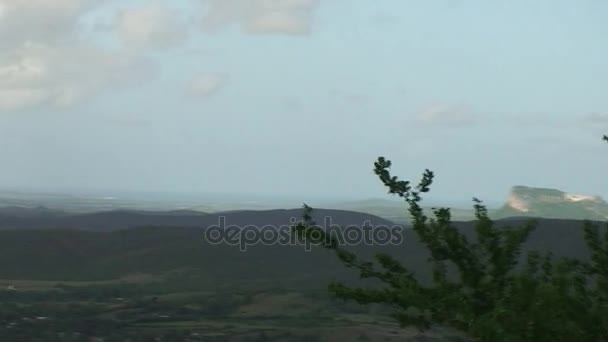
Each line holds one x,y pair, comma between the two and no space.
485,287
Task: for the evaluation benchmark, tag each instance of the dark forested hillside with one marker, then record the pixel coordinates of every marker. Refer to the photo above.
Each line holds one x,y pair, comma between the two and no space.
122,219
66,254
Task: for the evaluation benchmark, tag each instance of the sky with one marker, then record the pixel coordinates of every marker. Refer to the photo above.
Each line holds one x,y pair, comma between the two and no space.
299,97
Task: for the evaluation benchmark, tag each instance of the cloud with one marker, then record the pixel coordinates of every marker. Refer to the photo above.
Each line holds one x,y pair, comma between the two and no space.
442,114
17,99
152,26
596,119
52,55
292,17
40,75
205,84
592,124
40,20
46,59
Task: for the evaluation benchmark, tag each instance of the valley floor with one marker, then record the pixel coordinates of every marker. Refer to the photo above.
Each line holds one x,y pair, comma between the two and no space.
162,311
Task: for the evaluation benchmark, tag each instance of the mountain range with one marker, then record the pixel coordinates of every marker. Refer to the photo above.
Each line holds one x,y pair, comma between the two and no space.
522,201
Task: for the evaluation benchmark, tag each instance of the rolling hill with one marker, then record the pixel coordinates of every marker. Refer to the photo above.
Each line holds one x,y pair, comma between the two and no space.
123,219
64,254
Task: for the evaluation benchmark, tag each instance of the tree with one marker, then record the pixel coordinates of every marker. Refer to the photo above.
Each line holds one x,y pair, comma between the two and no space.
480,286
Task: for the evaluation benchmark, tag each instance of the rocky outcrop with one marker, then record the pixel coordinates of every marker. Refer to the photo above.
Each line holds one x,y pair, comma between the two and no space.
553,203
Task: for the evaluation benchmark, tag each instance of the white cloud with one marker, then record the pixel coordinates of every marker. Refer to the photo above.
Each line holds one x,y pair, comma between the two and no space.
441,114
40,20
154,26
46,60
40,75
21,98
262,16
50,56
205,84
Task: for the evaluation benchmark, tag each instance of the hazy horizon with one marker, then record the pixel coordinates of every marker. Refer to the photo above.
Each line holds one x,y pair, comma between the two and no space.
297,98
